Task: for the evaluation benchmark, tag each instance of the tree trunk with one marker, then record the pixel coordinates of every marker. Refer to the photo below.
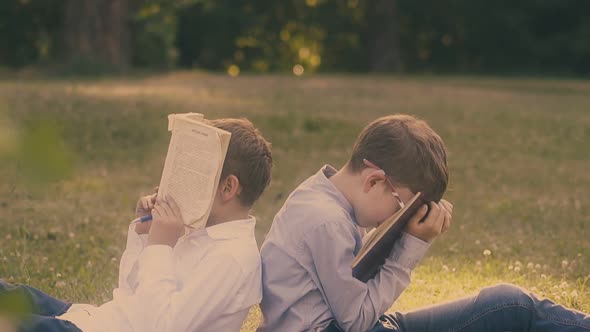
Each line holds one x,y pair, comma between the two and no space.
98,31
385,53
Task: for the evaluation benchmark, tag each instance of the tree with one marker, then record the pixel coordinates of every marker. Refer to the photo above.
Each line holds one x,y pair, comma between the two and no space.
97,31
384,41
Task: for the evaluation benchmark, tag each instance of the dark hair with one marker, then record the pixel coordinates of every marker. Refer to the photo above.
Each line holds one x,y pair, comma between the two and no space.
409,152
248,158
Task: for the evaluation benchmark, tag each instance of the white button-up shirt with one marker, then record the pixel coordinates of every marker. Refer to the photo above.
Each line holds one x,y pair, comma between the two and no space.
207,282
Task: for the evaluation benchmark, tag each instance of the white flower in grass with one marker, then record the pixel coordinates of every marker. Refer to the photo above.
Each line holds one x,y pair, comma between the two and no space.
445,268
44,259
574,293
564,264
60,284
563,284
517,263
530,266
487,252
71,235
517,269
538,266
8,237
510,267
543,276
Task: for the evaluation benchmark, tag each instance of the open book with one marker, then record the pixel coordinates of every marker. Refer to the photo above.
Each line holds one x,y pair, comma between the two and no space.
379,242
193,166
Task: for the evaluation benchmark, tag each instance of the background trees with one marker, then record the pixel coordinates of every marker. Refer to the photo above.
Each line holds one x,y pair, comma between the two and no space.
526,36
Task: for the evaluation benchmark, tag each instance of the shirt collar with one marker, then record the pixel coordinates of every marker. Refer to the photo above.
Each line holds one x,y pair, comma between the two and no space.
242,228
323,178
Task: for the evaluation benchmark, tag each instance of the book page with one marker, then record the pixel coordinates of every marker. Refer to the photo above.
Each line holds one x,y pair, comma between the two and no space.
192,163
186,116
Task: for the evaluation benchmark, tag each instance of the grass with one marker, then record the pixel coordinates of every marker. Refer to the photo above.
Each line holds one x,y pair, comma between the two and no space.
518,158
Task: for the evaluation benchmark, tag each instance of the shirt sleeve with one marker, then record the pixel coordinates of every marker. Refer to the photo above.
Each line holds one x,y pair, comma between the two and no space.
128,264
169,306
357,306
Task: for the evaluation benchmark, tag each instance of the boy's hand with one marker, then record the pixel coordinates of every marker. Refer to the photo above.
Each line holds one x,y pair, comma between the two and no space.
437,222
144,207
167,225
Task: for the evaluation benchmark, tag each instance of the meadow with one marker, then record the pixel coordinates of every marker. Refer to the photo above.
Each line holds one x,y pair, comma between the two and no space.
76,155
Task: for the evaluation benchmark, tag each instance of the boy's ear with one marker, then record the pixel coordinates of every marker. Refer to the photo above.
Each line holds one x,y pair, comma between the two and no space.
371,178
229,188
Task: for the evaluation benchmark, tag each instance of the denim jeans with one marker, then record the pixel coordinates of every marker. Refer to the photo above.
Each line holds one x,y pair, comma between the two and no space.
43,309
502,308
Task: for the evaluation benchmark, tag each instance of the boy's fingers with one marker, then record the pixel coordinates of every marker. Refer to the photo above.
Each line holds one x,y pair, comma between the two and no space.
167,208
156,190
439,222
434,214
448,206
419,214
152,200
162,207
444,225
174,206
448,221
156,212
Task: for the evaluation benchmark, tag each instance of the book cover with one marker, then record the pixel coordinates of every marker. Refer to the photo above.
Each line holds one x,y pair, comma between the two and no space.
379,244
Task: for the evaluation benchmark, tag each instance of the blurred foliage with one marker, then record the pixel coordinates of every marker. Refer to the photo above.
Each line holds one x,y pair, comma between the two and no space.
153,34
14,304
528,36
35,150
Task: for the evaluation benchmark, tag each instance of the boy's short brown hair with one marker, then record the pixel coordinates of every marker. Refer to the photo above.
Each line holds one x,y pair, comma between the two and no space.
248,158
409,152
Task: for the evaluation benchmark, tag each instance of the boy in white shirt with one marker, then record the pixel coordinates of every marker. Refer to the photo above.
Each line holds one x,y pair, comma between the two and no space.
172,278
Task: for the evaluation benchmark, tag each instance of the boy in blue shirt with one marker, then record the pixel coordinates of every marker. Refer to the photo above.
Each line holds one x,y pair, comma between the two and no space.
307,276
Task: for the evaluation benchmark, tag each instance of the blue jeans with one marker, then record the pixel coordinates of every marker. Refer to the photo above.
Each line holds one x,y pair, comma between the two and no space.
502,308
41,308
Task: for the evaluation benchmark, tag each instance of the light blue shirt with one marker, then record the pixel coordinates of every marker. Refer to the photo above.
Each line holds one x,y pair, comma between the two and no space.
306,264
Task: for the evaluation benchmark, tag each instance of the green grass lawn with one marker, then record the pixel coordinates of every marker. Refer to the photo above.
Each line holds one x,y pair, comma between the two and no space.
518,157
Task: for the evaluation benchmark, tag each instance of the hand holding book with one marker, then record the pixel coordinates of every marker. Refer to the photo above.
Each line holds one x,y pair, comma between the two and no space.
379,244
437,221
167,225
143,210
192,171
